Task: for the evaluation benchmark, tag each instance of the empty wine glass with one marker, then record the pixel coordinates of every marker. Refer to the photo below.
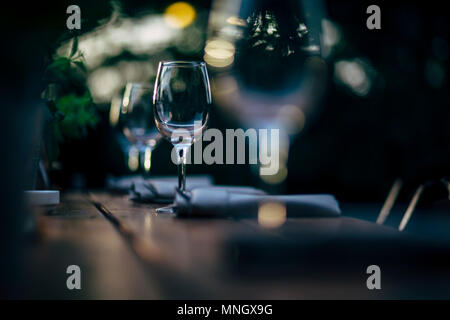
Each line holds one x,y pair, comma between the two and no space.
181,101
137,122
270,70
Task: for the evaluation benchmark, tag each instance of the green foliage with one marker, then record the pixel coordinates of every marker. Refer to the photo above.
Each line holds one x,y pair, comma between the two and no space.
68,99
78,115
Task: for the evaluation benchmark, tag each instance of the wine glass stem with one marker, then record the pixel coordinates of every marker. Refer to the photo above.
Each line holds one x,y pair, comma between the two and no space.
182,151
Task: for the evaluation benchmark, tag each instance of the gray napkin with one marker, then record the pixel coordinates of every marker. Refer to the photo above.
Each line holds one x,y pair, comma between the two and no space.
122,184
162,189
223,202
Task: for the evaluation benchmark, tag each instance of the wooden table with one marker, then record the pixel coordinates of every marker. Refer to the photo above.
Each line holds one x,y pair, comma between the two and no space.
127,251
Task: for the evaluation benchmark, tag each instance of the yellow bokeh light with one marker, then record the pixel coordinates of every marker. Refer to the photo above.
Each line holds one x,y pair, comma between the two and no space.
271,215
147,159
179,15
236,21
218,63
114,112
219,53
276,178
220,49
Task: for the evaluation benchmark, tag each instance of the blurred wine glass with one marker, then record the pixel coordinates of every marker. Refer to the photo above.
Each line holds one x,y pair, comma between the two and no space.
181,102
267,66
135,120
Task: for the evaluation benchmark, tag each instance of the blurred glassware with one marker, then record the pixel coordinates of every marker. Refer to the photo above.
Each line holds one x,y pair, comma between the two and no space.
181,102
133,115
267,65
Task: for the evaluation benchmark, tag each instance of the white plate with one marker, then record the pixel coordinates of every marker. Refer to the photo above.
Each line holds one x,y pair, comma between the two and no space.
42,197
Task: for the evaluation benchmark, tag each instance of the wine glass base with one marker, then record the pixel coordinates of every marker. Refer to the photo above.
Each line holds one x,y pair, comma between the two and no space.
167,210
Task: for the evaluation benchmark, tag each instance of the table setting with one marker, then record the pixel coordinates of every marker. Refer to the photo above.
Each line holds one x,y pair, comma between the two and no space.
192,150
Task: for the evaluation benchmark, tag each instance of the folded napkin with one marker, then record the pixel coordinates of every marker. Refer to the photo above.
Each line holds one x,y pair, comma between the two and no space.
162,189
245,202
122,184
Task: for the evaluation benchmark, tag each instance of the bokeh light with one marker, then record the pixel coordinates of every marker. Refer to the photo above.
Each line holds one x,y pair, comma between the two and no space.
179,15
133,158
292,118
354,75
147,159
276,178
114,112
219,53
271,215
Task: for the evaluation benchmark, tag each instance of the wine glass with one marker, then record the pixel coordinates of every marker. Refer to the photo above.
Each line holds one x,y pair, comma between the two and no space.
136,117
269,68
181,101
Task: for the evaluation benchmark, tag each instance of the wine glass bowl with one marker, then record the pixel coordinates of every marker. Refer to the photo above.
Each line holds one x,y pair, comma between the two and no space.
181,98
136,121
138,126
